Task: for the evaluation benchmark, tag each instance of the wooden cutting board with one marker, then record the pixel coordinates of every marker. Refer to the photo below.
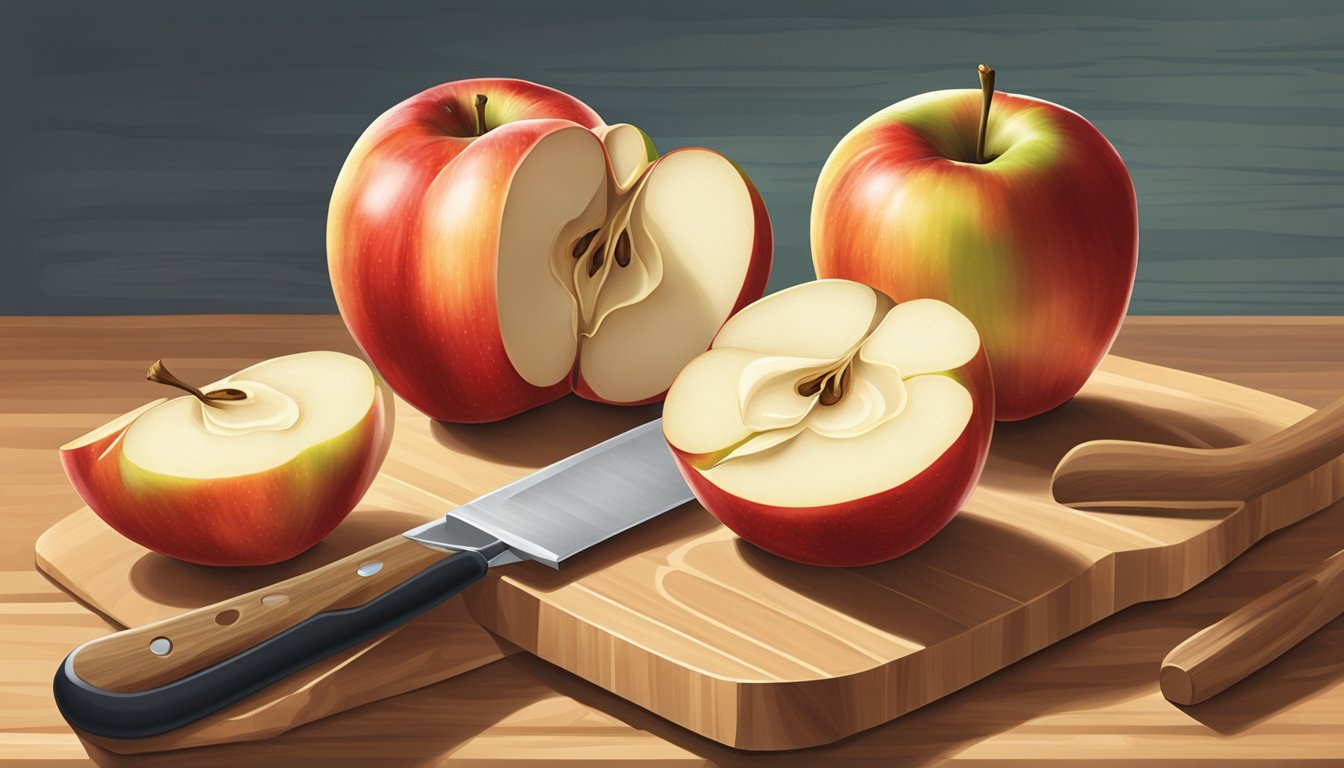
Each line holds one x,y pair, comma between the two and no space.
685,620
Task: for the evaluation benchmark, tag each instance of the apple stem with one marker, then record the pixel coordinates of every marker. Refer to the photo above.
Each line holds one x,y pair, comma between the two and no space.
987,90
159,374
481,127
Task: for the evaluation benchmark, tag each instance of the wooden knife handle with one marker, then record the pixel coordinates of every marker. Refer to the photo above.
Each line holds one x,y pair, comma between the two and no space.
1254,635
158,677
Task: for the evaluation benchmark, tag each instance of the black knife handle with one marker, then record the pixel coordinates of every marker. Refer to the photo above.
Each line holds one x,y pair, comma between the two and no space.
154,679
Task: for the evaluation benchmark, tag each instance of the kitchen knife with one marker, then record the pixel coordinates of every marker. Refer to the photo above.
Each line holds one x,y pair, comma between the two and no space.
159,677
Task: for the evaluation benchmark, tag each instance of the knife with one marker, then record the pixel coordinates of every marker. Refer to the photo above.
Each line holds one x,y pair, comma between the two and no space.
159,677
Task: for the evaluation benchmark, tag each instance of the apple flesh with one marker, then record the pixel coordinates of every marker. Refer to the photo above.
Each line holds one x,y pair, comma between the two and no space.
830,426
1037,244
490,265
249,481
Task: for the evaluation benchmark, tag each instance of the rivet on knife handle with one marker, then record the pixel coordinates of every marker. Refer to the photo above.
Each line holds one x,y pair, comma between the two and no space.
1254,635
158,677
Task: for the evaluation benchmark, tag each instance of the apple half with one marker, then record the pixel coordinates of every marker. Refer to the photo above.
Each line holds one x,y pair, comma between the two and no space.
488,268
831,426
260,467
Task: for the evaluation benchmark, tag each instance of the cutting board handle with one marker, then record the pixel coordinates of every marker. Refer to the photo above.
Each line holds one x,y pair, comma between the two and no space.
153,679
1103,471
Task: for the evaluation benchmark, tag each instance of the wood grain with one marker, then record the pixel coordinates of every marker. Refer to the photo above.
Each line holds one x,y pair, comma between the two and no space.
210,634
1090,698
1123,471
1252,636
682,618
443,643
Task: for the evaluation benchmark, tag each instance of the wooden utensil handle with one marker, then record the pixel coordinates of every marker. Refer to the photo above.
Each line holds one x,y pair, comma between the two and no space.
1123,470
151,679
1254,635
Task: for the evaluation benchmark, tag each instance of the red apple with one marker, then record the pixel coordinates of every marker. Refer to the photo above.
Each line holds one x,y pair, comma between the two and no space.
832,427
1036,241
493,246
258,469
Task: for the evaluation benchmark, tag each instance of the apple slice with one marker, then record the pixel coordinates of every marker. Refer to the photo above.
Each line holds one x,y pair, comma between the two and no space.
830,426
486,268
250,470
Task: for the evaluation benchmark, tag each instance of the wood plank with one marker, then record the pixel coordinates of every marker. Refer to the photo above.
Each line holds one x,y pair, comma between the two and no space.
184,161
1092,689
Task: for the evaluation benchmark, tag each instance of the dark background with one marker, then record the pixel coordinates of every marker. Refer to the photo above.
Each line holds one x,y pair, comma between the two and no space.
169,157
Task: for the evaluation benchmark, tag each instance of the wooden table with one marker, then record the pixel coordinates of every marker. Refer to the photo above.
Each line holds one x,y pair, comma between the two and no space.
1093,697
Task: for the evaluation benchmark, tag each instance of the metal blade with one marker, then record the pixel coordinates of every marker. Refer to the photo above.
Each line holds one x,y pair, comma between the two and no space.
561,510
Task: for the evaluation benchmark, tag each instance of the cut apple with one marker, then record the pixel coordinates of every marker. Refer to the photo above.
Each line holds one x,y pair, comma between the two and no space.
250,477
619,284
543,256
829,426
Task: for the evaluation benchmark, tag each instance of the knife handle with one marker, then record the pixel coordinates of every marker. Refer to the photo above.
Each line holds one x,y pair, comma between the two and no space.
1254,635
156,678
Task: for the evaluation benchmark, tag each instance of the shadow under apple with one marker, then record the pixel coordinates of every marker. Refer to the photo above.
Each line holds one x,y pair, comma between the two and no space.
545,434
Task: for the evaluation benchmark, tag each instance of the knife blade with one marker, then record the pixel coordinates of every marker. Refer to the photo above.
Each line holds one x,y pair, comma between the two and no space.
557,512
157,678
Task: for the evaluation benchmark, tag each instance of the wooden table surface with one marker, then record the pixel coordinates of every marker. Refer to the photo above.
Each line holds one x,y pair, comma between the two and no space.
1090,698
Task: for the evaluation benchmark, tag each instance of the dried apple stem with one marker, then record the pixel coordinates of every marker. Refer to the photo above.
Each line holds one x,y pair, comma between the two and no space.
987,91
481,127
159,374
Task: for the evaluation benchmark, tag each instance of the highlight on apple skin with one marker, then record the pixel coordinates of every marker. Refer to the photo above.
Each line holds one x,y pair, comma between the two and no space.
493,245
831,426
1036,242
252,480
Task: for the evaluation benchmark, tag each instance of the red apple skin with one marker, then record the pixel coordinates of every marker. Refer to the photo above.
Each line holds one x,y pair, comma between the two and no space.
390,208
247,520
875,528
753,285
1037,247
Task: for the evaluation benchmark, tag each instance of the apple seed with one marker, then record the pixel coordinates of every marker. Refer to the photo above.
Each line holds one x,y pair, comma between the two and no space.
599,256
623,249
581,245
832,385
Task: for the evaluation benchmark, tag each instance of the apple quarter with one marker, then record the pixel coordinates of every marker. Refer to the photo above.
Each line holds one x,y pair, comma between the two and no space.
248,482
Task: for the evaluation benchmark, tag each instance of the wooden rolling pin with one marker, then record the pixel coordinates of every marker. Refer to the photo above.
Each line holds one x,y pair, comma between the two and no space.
1107,472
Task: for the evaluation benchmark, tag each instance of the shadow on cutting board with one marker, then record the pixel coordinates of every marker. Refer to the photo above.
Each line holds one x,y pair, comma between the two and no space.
542,435
185,585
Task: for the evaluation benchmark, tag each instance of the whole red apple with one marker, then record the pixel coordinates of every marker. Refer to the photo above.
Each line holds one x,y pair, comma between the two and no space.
831,427
493,246
1028,224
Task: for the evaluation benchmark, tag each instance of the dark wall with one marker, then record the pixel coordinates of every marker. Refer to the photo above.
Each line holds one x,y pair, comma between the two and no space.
177,156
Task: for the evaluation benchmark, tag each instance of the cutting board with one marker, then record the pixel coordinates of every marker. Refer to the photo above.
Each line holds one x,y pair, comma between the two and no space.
687,621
